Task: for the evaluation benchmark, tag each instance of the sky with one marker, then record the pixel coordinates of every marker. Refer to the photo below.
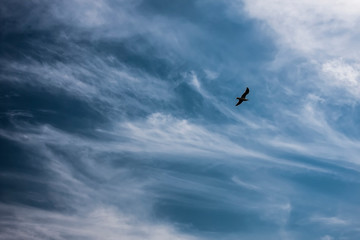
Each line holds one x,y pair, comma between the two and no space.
118,120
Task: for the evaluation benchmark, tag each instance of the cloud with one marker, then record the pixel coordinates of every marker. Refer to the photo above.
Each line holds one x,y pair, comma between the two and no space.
158,133
211,75
329,220
102,200
327,237
103,20
324,27
315,37
79,14
97,222
319,32
343,75
99,81
317,136
244,184
164,134
89,197
252,121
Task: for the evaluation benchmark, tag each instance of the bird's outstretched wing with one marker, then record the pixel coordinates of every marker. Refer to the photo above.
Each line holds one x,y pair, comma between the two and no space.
245,93
239,102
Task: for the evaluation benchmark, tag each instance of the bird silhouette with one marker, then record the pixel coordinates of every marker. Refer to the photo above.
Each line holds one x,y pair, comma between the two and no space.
243,97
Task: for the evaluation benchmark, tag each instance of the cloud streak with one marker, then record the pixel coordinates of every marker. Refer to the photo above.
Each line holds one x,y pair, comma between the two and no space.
96,223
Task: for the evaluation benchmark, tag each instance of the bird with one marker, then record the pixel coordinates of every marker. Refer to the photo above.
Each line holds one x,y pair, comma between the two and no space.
243,97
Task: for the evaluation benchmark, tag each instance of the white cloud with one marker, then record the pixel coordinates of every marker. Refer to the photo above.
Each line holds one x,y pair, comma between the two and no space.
106,20
316,136
82,13
98,222
323,32
244,184
251,121
327,237
164,133
195,81
211,75
343,75
108,204
102,82
322,36
312,27
98,205
329,220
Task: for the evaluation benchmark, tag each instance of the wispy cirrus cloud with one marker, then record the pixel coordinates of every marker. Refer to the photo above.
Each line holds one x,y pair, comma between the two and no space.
94,80
318,31
85,202
94,223
88,183
314,37
320,27
329,220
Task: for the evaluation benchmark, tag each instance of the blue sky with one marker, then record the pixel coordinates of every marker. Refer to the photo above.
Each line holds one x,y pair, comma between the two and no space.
118,120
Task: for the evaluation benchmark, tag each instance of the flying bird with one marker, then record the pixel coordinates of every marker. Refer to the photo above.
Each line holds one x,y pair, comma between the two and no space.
243,97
